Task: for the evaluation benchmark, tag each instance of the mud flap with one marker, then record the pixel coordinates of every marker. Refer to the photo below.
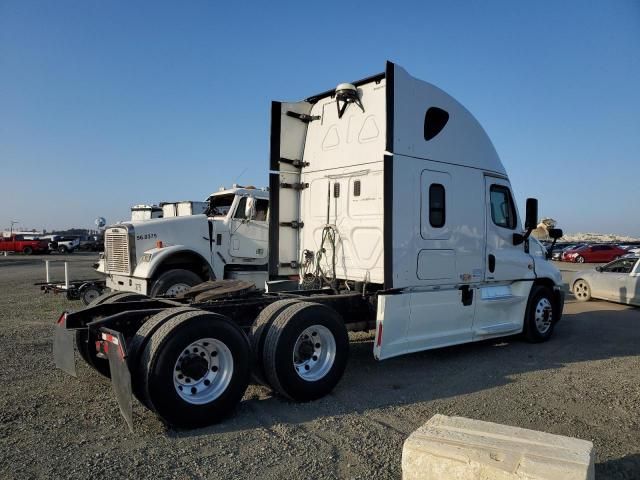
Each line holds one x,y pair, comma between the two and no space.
115,348
63,347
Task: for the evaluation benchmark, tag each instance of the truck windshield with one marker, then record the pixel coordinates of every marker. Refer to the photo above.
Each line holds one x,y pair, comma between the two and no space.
219,205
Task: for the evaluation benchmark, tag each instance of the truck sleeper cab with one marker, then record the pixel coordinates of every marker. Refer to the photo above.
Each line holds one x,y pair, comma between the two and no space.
391,207
409,189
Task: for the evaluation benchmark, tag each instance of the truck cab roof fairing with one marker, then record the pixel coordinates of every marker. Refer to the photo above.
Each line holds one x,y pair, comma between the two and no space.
462,140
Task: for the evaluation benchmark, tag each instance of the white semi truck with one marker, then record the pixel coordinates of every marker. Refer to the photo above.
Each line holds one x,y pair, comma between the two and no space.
390,205
165,256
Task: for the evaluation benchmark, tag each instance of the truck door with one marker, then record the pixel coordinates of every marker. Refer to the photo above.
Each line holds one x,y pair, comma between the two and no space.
249,233
504,261
502,297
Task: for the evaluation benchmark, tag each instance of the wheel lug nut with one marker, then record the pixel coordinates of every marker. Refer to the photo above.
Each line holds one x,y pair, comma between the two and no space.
206,344
306,367
214,368
315,358
317,345
214,354
207,382
195,350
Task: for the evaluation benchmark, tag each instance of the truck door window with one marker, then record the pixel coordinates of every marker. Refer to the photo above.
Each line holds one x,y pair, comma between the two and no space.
240,211
262,207
437,213
503,212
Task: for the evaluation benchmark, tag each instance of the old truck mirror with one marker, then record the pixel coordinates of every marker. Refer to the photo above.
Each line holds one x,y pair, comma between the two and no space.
250,208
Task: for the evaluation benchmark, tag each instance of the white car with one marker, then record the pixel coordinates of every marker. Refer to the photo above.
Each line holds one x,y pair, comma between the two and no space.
617,281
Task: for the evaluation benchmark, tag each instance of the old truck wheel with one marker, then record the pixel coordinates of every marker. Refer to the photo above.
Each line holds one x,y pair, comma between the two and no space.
173,282
539,318
259,331
86,345
62,249
306,351
27,250
195,369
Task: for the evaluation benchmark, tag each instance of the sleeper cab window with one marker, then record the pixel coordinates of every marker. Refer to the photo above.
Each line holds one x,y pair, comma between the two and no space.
437,212
434,121
503,212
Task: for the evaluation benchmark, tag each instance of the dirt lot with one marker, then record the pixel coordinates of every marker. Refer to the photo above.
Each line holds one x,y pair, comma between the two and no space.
585,383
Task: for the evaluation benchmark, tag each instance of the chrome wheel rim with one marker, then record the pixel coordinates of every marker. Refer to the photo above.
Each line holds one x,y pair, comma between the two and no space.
203,371
177,288
580,260
543,315
314,353
581,290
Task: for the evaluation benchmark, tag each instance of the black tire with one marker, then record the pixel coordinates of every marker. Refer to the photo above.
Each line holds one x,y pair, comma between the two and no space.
89,294
27,250
139,341
581,290
259,331
62,249
579,259
172,278
85,344
540,316
160,357
279,347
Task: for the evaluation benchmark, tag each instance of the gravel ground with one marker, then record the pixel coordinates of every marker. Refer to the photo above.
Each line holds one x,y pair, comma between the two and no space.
584,383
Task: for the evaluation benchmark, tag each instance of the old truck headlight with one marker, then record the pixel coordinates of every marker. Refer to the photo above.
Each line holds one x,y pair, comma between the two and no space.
146,257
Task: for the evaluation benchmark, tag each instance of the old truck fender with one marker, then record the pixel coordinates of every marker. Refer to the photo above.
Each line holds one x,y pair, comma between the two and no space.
146,269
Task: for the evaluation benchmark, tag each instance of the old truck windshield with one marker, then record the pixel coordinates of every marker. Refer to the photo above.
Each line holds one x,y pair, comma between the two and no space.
219,205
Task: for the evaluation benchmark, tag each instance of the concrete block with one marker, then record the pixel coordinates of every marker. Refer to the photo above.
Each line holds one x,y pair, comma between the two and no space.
456,448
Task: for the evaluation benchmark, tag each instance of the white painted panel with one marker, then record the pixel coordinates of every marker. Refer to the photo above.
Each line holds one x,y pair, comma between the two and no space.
438,318
437,265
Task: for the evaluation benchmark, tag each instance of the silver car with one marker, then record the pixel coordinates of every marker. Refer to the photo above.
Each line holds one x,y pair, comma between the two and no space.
617,281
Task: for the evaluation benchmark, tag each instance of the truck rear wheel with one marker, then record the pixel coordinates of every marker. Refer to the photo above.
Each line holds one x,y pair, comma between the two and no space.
195,369
306,351
85,345
259,331
139,341
27,250
173,282
62,249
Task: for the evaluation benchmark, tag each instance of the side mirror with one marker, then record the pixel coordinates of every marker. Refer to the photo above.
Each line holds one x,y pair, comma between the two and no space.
531,218
250,208
555,233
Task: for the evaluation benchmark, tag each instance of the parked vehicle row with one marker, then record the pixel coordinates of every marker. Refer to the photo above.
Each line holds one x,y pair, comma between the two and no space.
590,253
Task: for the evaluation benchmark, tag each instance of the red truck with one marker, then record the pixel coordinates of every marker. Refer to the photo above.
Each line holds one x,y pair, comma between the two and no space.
17,243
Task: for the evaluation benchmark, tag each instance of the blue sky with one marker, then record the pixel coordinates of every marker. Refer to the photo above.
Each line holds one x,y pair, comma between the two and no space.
104,104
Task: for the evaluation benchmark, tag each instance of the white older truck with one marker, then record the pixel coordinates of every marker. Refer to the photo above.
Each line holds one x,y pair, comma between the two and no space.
390,204
165,256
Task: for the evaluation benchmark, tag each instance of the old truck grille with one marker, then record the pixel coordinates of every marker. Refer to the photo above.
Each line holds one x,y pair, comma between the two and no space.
116,247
